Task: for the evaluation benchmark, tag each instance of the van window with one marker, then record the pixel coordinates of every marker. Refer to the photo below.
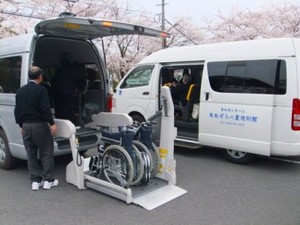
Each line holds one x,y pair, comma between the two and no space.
10,73
255,76
138,77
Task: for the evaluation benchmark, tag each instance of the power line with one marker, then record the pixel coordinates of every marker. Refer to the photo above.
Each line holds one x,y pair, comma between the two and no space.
135,11
25,7
22,15
174,26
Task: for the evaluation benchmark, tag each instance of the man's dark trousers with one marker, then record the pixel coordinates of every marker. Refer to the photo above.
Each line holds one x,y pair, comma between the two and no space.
38,140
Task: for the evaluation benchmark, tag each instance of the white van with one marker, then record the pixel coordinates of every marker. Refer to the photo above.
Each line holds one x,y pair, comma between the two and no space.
63,47
244,97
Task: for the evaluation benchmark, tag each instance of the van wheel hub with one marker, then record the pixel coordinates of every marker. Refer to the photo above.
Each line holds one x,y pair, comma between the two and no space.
2,150
238,157
236,154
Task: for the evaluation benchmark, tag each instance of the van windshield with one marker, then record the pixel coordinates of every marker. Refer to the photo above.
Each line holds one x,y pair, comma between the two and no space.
138,77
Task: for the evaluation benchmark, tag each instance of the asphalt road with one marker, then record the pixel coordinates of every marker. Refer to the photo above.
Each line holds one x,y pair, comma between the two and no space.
265,192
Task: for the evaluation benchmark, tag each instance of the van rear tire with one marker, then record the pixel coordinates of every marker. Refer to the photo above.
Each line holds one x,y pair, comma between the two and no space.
7,161
137,119
238,157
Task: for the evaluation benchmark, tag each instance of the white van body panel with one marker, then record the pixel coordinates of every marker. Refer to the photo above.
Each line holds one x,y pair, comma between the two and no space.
21,43
18,45
254,123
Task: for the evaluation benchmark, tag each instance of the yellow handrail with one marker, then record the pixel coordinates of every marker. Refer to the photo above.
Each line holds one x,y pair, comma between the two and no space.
188,96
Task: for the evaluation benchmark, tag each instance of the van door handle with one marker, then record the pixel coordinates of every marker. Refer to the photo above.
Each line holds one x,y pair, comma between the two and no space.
206,96
146,93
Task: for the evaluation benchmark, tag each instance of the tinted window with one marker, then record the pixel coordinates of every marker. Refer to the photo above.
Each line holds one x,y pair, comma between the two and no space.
138,77
10,73
256,76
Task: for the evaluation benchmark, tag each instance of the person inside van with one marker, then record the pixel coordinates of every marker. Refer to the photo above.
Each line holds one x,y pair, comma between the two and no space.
179,93
179,90
68,84
168,78
164,76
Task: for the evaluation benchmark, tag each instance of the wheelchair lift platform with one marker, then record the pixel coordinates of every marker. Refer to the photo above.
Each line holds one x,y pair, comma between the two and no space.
156,193
160,189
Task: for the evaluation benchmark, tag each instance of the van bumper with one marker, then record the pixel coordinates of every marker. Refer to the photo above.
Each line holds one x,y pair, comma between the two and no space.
285,149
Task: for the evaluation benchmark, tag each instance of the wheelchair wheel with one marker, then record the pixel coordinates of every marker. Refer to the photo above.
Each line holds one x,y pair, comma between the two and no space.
155,158
138,165
142,148
147,168
117,166
95,166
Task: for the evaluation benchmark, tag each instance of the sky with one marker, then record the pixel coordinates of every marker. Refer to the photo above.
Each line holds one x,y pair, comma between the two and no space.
197,9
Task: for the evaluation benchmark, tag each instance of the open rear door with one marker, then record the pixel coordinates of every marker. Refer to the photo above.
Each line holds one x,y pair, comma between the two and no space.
87,28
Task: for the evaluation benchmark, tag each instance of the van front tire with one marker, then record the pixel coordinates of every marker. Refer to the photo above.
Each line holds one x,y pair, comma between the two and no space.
238,157
7,161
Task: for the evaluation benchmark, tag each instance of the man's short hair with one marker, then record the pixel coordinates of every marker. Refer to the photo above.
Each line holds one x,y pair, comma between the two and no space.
35,72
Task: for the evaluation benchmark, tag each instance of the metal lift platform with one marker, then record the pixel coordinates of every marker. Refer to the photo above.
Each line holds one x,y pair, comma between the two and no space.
160,189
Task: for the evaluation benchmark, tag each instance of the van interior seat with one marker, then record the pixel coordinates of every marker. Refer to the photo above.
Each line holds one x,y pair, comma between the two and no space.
93,85
91,106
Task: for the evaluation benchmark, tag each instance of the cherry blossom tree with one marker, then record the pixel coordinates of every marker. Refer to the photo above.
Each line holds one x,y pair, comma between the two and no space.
122,52
275,20
284,20
184,32
127,49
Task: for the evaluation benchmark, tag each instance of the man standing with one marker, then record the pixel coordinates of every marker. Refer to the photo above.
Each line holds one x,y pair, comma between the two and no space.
33,114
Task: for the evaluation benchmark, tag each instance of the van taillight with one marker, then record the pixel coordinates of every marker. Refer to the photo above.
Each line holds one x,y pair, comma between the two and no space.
109,102
296,114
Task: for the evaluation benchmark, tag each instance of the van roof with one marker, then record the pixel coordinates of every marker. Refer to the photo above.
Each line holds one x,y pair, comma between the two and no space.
229,50
16,44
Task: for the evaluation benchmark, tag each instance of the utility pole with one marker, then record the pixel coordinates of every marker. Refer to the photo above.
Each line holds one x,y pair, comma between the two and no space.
163,20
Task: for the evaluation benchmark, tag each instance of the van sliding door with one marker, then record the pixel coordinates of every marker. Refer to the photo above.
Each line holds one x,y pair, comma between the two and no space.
236,107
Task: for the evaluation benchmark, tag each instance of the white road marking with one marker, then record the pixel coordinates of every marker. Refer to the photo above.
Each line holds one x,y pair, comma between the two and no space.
285,160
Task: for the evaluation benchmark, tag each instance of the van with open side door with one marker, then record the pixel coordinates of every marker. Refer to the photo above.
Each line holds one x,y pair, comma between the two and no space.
244,97
64,48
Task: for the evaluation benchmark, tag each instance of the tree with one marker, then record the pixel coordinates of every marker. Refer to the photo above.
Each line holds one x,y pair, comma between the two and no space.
183,32
284,20
121,53
127,49
238,25
276,20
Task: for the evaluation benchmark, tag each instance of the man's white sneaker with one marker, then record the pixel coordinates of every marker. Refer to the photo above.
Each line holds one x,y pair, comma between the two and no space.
35,186
49,184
